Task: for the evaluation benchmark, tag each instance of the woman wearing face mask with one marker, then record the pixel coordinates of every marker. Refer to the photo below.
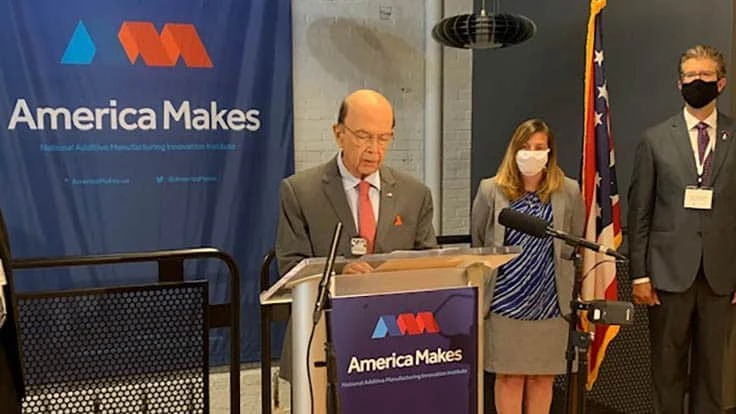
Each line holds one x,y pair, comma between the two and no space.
525,334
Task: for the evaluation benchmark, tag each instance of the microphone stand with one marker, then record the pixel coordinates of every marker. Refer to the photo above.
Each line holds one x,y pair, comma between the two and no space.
324,304
577,242
576,340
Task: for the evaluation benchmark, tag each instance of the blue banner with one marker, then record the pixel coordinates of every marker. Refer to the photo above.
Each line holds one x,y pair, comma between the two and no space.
407,352
129,126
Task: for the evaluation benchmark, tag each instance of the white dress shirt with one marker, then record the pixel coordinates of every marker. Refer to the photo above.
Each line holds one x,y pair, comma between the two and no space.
350,184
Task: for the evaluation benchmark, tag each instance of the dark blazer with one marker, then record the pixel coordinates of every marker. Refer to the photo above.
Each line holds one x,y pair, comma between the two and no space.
9,330
313,200
666,240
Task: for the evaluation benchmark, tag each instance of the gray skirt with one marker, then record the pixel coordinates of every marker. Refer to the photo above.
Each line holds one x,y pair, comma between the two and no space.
519,347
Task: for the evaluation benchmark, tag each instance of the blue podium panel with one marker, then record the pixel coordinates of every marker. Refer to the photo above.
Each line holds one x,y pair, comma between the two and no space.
407,352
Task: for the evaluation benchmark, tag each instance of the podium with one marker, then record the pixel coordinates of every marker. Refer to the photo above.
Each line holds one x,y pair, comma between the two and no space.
403,335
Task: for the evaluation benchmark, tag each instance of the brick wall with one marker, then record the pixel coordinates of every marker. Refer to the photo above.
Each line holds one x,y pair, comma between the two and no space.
343,45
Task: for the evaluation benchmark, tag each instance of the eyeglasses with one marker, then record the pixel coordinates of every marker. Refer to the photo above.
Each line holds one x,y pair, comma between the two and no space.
363,138
703,74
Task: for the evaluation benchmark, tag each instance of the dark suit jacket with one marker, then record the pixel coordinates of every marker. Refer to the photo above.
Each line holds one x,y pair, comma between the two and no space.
9,330
666,240
313,200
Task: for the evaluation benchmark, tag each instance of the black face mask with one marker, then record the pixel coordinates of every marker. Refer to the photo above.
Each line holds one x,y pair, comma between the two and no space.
699,93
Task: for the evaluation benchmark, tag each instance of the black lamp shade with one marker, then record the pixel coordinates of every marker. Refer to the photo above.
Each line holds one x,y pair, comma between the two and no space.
474,31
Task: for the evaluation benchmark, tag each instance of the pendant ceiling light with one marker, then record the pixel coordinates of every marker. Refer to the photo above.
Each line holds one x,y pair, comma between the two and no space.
484,30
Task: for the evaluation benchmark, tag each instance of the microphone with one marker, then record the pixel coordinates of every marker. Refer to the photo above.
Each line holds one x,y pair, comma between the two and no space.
539,228
610,312
329,266
324,303
606,312
523,222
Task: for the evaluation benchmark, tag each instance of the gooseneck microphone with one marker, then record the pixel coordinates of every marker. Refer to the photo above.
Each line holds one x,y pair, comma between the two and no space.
323,292
537,227
524,223
324,304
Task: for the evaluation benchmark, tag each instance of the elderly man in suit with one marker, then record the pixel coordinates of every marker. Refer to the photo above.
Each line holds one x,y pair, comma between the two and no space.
385,208
682,238
11,374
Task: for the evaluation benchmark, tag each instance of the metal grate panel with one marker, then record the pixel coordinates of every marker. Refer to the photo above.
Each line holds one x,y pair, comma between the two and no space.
139,349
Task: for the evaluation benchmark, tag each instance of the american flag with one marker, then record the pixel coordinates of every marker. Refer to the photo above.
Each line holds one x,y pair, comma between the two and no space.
600,192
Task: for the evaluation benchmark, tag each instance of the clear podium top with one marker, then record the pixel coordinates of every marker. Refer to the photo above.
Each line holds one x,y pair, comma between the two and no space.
394,261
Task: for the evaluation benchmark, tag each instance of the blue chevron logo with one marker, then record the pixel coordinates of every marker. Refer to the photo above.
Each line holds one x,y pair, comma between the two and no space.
386,325
81,49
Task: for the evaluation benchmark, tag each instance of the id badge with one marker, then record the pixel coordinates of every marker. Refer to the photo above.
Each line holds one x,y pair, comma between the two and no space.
699,198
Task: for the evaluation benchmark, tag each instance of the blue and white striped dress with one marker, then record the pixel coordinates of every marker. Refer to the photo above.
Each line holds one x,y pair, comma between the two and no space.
525,287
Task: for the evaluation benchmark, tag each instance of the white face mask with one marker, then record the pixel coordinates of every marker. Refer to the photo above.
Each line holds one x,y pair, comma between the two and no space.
531,162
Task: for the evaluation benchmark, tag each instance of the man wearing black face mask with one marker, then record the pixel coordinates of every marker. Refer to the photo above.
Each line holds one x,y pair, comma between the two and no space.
682,239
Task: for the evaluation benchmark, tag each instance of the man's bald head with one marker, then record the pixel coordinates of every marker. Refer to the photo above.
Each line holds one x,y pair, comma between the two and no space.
364,131
364,99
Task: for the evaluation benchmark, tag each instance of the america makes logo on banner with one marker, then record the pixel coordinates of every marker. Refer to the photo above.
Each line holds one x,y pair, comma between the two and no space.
144,45
131,126
141,39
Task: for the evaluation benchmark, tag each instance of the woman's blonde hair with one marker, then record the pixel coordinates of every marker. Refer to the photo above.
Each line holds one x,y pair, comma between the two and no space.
508,177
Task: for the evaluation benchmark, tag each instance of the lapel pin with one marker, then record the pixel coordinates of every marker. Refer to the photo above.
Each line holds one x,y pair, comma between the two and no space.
398,221
724,135
389,195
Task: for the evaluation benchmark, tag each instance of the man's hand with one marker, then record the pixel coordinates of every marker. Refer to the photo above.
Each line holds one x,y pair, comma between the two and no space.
644,294
357,267
733,299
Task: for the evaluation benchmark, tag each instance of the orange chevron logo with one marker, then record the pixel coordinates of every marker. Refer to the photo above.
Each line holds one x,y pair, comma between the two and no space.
176,40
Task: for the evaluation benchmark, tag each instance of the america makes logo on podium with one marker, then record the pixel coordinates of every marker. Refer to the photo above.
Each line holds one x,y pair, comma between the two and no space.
388,346
405,324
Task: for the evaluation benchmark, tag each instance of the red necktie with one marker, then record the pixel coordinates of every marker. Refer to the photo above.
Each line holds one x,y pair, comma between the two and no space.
366,219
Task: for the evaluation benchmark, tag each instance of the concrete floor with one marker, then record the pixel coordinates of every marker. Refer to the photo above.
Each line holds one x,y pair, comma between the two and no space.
250,393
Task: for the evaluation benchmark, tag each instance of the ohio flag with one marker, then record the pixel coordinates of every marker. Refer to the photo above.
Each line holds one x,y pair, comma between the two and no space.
600,192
